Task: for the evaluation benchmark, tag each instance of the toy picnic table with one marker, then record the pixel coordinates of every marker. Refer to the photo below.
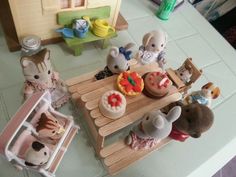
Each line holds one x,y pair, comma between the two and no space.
88,92
66,18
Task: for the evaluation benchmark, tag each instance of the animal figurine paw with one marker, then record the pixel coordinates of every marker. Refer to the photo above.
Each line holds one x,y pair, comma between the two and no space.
204,96
194,120
37,154
117,61
152,49
39,76
154,127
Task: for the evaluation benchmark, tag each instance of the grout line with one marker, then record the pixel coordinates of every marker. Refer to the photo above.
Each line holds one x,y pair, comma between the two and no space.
4,108
225,100
216,52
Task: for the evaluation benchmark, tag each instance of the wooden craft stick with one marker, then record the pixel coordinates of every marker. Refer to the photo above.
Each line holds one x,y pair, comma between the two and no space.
101,121
92,104
95,113
133,157
106,151
81,78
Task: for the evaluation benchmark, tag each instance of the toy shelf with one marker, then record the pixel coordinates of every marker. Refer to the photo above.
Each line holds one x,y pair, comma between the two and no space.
87,93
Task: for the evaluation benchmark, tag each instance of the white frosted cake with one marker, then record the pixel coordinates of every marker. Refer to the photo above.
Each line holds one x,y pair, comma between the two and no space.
112,104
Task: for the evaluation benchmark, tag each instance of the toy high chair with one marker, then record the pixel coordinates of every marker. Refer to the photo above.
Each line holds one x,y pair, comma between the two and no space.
184,86
20,132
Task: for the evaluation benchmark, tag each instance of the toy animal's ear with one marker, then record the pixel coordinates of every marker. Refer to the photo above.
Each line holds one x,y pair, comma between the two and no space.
25,61
114,52
43,116
207,86
158,122
173,114
129,46
146,38
47,55
37,146
216,93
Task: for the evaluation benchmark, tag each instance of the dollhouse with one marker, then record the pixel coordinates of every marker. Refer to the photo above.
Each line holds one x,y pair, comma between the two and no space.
39,17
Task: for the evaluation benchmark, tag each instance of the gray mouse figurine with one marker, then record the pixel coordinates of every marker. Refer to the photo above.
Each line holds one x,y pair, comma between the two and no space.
154,127
117,61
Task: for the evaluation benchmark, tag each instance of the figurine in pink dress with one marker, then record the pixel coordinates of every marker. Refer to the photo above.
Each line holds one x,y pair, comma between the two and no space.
39,76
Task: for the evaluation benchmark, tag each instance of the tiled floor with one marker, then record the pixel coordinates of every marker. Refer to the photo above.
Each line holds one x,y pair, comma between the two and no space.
189,36
228,170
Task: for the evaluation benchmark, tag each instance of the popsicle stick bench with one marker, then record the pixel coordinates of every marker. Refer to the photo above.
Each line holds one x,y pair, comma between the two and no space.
66,18
87,92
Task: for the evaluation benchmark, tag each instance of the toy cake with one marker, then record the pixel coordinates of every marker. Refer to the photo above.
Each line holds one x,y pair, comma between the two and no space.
130,83
112,104
157,84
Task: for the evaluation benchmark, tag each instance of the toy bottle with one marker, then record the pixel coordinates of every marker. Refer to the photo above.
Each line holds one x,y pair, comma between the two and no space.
165,9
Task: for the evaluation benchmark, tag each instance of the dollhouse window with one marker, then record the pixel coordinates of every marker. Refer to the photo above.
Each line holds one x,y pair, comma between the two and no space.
79,3
65,4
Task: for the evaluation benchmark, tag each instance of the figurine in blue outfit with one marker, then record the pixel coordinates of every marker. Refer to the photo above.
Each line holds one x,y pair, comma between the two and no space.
204,96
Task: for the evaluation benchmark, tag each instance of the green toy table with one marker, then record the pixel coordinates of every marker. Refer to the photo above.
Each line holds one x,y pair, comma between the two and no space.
77,43
66,18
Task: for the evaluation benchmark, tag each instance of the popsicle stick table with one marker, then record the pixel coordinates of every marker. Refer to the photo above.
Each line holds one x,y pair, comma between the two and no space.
87,92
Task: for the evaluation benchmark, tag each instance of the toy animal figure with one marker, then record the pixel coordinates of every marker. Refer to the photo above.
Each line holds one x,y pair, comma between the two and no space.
48,127
40,76
37,154
204,96
194,120
152,49
154,127
184,73
117,61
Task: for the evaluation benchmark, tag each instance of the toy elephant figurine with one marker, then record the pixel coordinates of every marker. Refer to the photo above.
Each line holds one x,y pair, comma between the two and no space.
152,49
39,76
117,61
154,127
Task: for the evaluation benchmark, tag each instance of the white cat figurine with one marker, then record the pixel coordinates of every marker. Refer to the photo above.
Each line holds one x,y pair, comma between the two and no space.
39,76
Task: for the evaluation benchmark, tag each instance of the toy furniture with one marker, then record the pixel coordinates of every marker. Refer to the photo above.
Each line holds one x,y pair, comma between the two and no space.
87,93
196,73
20,131
66,19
